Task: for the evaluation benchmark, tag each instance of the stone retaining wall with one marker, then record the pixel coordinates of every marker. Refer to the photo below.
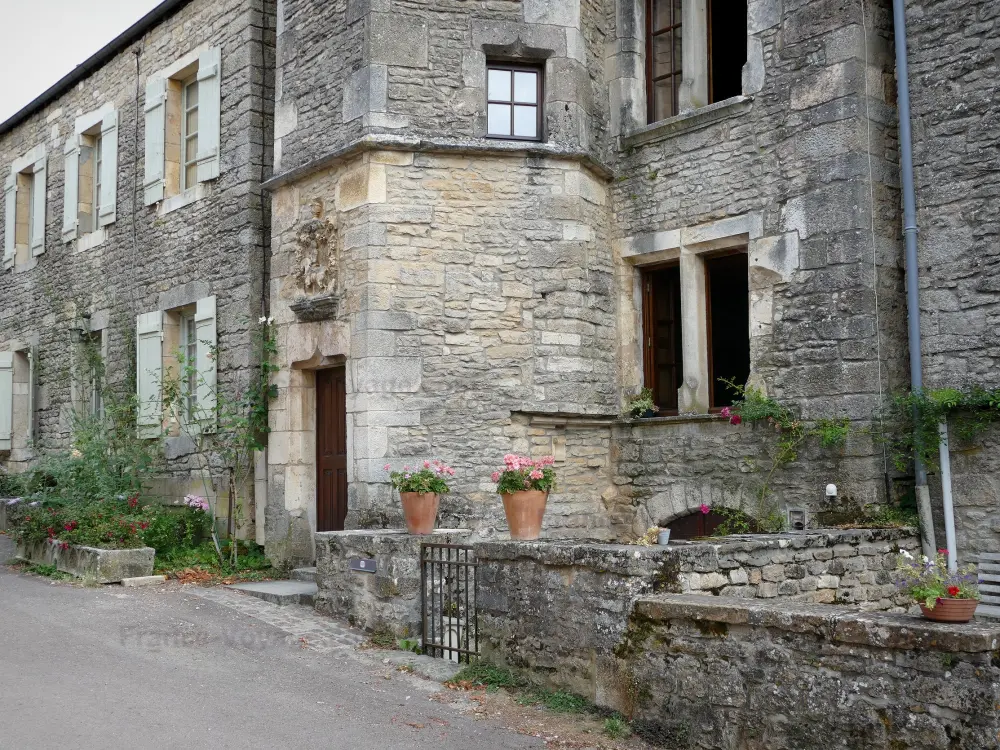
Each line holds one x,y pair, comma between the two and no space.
823,566
724,674
387,600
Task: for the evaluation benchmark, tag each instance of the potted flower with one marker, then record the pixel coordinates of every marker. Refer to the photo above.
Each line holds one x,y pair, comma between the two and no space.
524,485
943,596
641,405
420,491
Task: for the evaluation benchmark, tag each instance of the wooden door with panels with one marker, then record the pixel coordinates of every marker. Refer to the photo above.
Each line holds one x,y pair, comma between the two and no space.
331,449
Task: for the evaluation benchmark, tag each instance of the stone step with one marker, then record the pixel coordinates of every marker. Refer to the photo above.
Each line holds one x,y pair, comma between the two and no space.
304,574
280,592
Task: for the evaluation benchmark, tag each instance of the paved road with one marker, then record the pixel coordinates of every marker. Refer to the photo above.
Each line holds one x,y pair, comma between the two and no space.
153,668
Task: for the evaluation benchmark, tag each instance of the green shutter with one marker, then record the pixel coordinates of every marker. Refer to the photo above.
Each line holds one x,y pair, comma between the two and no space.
10,221
205,333
71,194
6,399
149,373
109,169
156,127
209,113
38,187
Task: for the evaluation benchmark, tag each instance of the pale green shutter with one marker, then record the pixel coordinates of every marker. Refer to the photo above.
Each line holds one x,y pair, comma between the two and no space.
205,333
10,221
71,194
156,127
6,399
109,169
209,113
149,373
38,187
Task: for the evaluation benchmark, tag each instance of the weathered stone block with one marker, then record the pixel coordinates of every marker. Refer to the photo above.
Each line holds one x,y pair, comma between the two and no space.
100,565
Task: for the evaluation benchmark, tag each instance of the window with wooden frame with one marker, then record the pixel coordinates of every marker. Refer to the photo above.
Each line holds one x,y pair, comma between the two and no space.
662,357
514,101
189,133
727,292
663,58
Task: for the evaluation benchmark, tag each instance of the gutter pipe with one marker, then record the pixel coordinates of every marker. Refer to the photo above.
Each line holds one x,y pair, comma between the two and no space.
927,540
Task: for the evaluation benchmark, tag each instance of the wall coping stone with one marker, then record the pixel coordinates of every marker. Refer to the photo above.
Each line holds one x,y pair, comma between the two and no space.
466,146
358,533
837,624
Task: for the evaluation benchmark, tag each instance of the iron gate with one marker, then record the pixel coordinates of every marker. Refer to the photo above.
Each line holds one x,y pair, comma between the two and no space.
448,600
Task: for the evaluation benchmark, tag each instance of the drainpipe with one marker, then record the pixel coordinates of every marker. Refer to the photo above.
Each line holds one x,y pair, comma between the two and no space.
944,454
910,241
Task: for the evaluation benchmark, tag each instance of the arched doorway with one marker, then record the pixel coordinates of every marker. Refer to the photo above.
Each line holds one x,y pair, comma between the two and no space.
698,524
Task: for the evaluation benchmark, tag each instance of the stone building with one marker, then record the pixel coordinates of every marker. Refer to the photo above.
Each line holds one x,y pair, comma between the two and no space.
481,226
133,218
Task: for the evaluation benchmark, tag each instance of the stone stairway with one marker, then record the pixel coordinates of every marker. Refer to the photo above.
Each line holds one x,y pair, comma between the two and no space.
300,589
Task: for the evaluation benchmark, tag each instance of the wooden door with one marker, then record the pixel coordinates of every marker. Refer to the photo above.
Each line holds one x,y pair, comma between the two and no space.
663,361
331,449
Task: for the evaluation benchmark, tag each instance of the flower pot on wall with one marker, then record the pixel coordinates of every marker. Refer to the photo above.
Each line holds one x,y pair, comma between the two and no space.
524,511
951,610
420,510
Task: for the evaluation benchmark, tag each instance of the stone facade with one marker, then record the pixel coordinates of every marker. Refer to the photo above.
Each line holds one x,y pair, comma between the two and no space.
149,258
724,674
954,74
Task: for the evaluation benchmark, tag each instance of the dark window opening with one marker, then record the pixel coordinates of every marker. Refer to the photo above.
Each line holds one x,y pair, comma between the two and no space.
700,524
727,48
728,289
663,58
662,359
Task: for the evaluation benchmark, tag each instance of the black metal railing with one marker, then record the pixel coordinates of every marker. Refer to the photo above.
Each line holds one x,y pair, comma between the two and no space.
448,600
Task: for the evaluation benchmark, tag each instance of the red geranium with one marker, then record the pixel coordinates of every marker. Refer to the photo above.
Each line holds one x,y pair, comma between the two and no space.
953,591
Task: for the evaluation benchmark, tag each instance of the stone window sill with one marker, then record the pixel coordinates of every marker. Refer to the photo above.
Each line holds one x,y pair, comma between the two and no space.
189,196
91,240
688,121
675,419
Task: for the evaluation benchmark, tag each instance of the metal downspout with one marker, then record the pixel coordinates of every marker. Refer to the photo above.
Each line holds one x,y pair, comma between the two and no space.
912,281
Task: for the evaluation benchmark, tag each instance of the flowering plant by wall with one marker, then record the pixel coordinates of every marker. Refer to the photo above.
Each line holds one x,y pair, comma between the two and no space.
430,478
524,473
927,580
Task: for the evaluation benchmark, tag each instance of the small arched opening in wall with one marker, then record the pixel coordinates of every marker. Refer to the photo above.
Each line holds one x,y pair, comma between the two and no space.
700,524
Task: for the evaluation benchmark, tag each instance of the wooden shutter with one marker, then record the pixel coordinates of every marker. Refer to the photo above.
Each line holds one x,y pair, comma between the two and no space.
149,373
10,221
109,169
6,399
209,113
71,193
156,128
38,187
205,333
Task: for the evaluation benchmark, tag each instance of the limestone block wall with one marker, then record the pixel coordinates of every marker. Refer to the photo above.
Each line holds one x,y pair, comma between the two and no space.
724,674
469,288
800,170
418,68
149,259
954,73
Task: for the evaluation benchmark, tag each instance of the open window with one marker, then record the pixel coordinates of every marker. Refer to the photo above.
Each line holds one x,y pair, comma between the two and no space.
728,298
177,343
91,161
662,355
24,218
183,126
695,53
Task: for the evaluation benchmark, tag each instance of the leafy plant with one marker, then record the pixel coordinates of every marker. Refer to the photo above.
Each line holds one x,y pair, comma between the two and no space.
431,478
639,404
926,580
616,727
524,473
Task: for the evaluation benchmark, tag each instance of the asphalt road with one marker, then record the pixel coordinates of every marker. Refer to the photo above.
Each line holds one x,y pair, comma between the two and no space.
148,668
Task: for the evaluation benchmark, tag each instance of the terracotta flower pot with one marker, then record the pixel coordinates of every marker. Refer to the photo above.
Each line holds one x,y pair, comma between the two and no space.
420,510
951,610
524,511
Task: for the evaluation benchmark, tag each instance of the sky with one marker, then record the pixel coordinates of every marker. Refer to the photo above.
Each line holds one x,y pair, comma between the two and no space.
70,30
